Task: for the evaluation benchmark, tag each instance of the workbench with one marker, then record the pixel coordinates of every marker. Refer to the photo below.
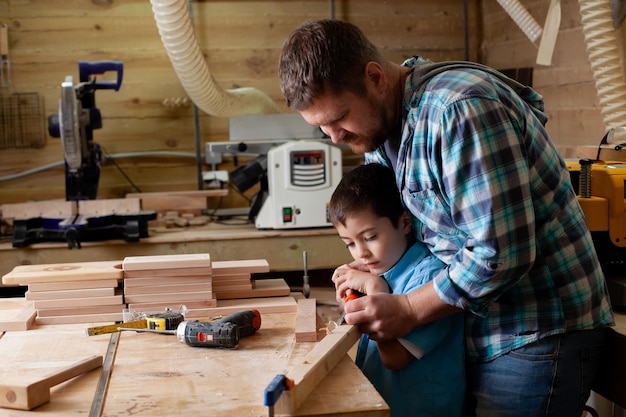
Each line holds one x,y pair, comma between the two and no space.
155,375
281,248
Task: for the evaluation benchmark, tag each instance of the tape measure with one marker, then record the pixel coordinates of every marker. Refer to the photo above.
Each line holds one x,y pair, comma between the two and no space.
167,320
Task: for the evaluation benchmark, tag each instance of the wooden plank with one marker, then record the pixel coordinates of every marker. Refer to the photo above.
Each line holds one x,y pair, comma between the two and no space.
180,273
315,367
169,288
262,288
231,277
18,320
71,285
49,208
178,297
83,318
109,206
79,302
76,311
147,282
251,266
183,201
264,305
79,271
306,320
152,262
67,294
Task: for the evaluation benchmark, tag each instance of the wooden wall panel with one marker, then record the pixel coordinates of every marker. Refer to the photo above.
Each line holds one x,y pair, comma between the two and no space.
241,41
567,85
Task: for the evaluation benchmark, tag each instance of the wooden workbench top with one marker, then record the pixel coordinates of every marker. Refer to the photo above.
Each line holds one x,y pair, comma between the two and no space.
155,375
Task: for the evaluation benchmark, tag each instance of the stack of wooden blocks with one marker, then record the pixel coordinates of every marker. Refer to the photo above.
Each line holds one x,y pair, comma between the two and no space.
91,292
156,281
71,293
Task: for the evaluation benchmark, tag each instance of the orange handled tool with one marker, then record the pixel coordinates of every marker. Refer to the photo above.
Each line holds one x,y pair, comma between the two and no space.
354,294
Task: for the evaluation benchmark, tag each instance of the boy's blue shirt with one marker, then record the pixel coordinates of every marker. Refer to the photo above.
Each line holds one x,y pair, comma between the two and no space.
435,384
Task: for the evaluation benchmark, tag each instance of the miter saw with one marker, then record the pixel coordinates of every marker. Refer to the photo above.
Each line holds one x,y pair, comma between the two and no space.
602,196
77,118
74,124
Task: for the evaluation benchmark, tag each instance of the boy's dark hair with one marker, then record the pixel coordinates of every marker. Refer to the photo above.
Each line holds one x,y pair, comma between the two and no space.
324,56
370,186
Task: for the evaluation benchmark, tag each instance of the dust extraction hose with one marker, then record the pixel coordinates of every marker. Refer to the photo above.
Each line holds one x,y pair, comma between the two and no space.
603,51
178,37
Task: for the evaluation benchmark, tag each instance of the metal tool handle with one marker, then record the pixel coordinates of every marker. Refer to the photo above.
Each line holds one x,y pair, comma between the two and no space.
86,69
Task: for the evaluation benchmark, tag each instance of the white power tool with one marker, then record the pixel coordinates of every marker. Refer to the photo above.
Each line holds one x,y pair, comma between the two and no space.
301,177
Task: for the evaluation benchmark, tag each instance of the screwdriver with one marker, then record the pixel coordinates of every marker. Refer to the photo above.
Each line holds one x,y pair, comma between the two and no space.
354,294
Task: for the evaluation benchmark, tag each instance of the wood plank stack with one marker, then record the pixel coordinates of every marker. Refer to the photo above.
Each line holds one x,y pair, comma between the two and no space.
161,281
72,293
154,283
90,292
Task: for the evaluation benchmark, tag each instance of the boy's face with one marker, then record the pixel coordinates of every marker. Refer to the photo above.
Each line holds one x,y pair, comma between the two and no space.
374,241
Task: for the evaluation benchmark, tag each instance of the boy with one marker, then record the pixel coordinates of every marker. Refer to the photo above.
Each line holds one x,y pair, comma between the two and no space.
422,373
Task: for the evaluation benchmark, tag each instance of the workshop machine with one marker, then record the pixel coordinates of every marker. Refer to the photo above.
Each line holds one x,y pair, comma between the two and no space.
602,196
74,123
297,175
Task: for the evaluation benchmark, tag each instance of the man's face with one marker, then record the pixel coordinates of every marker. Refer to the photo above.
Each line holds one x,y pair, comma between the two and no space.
362,123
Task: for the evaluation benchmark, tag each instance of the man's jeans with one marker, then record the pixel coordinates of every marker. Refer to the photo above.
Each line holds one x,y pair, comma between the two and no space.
551,378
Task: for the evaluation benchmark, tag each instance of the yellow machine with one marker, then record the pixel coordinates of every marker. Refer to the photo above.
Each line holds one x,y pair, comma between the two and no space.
602,196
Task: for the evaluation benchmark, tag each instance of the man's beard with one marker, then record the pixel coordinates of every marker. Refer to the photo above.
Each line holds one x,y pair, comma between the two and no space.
376,135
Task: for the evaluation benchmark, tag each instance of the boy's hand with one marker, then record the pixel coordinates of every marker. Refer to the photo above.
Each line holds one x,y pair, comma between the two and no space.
347,279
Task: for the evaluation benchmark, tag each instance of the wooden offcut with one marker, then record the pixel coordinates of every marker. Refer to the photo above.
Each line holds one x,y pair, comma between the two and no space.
18,320
306,320
315,367
79,271
29,395
164,262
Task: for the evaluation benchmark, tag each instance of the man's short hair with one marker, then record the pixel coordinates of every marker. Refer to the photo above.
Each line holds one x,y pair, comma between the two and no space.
324,56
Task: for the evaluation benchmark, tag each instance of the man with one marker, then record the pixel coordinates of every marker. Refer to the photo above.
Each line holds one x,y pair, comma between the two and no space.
490,196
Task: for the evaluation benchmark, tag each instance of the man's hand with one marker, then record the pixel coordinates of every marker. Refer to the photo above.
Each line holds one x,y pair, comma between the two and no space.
391,316
382,316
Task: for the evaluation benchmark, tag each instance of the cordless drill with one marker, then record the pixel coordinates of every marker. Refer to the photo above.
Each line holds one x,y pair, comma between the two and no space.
222,333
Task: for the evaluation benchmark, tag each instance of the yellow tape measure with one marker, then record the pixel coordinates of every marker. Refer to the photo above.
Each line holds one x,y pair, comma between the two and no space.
168,320
112,328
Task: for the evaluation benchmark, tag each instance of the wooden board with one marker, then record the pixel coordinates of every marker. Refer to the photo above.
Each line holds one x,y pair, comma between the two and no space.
170,273
223,307
20,317
177,297
67,294
72,285
78,311
79,302
152,262
235,379
147,282
79,271
251,266
185,201
81,318
262,288
306,321
102,207
57,209
169,288
316,365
